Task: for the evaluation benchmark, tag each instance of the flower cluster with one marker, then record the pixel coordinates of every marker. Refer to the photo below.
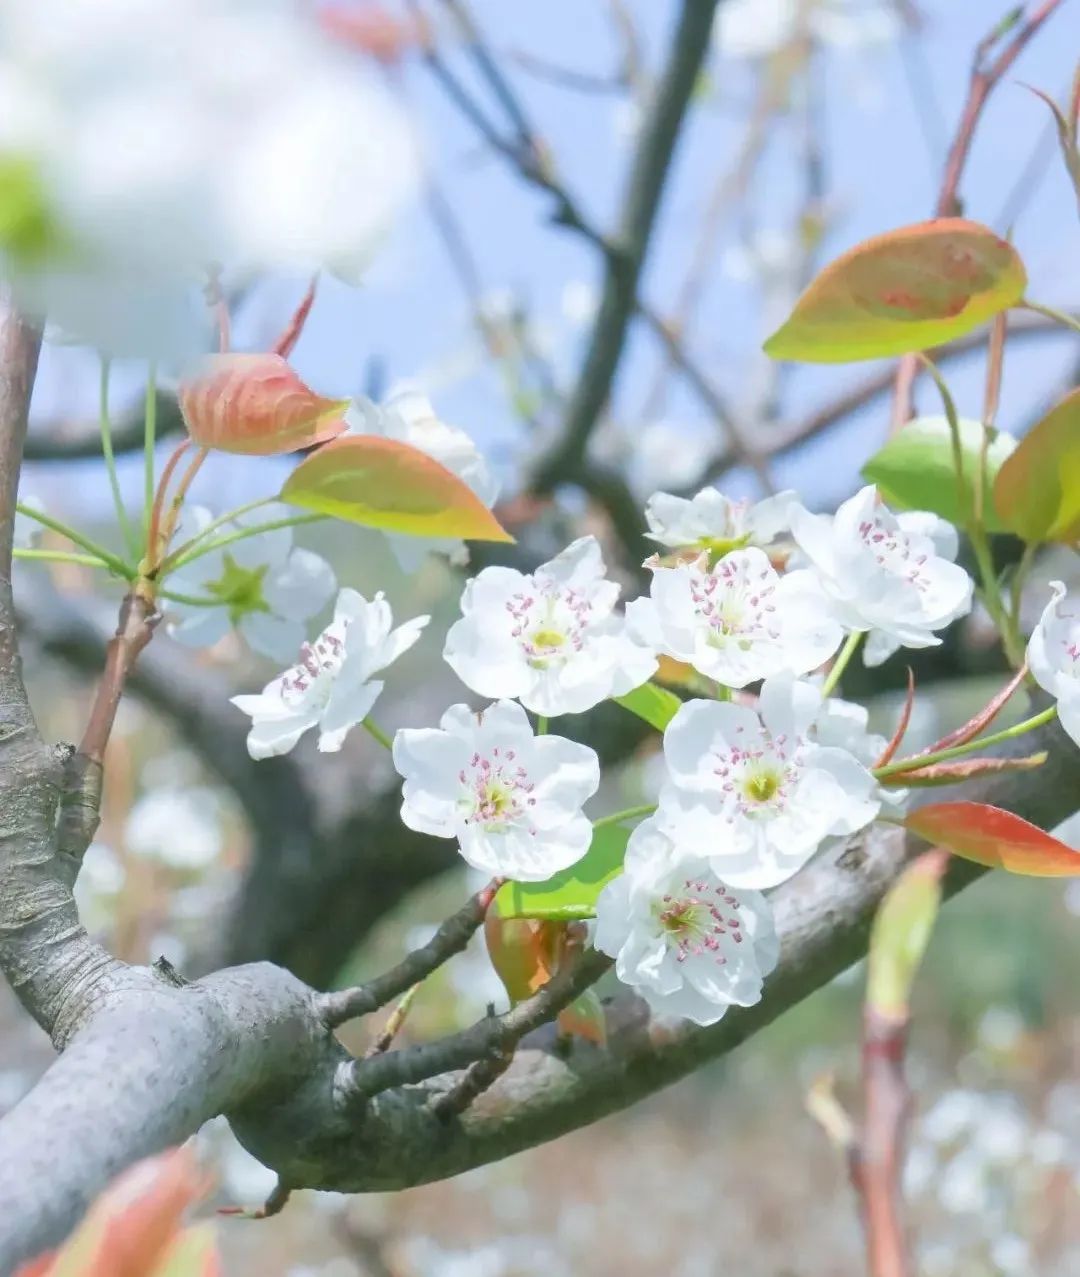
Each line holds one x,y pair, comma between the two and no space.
754,783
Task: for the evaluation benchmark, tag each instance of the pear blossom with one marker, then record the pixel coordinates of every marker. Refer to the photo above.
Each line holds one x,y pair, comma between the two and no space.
261,585
891,574
331,687
148,139
715,524
754,788
1053,655
551,638
761,28
408,417
737,621
682,938
511,799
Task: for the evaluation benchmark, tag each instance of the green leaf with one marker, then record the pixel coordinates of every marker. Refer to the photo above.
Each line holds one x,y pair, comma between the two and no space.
571,894
911,289
382,483
1037,490
656,705
915,470
900,934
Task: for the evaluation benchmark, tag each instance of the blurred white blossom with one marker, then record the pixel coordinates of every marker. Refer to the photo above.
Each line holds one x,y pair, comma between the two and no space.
141,141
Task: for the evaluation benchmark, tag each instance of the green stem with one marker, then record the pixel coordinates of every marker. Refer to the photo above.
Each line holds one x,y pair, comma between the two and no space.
542,724
107,557
630,813
1057,316
59,556
191,600
105,423
958,751
375,730
180,560
976,531
149,445
218,523
851,646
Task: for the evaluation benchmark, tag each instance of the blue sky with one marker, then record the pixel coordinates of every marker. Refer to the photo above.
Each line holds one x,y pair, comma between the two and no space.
882,162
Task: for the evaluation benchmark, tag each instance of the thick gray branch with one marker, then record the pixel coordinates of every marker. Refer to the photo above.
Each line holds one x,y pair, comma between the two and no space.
44,952
154,1060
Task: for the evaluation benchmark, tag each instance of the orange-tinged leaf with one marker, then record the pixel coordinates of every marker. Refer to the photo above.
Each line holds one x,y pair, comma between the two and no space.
900,934
907,290
257,406
995,838
193,1253
135,1223
1037,489
382,483
523,951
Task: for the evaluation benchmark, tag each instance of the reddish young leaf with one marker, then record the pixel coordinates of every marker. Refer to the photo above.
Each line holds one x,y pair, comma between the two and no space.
134,1228
981,721
382,483
257,406
951,773
995,838
901,727
1037,489
523,951
908,290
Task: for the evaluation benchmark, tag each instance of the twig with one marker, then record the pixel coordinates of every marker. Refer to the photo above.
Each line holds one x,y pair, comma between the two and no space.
455,933
484,1040
647,180
791,435
530,161
985,76
394,1024
887,1102
134,630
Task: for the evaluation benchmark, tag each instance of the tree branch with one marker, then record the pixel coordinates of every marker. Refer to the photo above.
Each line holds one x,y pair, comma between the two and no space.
155,1060
984,79
626,255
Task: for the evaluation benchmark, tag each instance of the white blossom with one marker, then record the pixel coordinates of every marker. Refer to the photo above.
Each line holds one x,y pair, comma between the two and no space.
262,585
551,638
760,28
408,417
713,523
332,686
1054,656
512,800
688,943
755,788
150,139
181,828
890,574
737,621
